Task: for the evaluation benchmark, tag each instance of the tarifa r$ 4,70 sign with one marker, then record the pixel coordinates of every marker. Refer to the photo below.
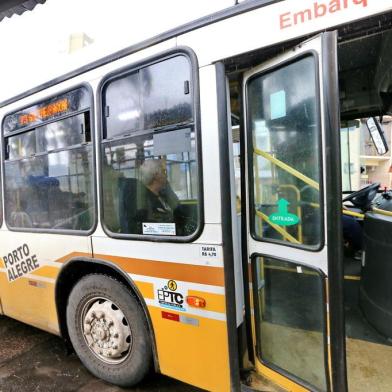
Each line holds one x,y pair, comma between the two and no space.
283,217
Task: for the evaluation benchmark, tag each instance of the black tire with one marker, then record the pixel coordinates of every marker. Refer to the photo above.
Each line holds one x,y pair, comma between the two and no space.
137,361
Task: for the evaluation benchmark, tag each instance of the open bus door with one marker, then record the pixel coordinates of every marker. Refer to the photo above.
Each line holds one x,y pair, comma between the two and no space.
294,216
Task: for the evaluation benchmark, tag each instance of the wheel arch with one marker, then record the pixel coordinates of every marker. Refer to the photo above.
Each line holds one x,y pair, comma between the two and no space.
74,270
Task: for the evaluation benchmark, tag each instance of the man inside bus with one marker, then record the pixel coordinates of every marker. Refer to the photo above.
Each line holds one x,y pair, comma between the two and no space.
159,200
152,200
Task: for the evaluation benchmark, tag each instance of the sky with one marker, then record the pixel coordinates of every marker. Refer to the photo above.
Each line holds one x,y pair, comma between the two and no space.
34,44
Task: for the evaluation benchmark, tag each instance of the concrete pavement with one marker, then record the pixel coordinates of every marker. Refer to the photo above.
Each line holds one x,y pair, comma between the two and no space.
33,361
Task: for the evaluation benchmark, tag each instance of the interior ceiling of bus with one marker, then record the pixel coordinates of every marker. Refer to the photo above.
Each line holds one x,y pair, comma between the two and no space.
365,76
9,8
365,67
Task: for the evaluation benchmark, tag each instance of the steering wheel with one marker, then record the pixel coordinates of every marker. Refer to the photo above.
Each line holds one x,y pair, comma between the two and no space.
363,198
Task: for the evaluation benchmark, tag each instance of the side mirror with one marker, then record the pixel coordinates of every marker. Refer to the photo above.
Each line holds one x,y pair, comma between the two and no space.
377,135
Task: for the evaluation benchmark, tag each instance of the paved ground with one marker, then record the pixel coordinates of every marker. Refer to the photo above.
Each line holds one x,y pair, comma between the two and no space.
33,361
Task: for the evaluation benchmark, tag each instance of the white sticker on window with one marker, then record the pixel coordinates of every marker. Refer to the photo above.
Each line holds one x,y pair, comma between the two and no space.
278,104
159,228
173,142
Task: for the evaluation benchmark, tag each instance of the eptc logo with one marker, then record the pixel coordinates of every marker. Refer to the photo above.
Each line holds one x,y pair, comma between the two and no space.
168,297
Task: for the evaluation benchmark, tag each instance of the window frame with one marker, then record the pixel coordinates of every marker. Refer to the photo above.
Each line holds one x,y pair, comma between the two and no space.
194,125
90,111
250,156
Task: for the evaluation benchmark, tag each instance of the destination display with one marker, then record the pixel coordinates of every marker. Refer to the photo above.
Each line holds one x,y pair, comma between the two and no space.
59,107
49,109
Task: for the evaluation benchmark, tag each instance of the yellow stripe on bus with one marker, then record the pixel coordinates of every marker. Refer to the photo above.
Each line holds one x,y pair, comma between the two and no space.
194,352
46,272
146,289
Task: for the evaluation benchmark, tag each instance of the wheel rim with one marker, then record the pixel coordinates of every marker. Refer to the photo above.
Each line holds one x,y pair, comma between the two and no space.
106,330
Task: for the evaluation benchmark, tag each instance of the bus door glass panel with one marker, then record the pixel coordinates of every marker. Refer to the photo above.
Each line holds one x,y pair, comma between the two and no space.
285,217
283,119
289,303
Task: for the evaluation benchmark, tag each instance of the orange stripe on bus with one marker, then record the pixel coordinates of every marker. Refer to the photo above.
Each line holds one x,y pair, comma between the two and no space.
160,269
46,271
166,270
71,256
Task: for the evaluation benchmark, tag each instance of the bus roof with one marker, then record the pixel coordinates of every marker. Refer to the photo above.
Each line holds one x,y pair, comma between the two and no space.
240,8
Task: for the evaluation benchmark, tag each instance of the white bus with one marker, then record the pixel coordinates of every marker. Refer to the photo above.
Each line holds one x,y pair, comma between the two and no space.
179,206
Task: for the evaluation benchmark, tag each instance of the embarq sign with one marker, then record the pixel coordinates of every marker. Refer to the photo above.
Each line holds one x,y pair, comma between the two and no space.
318,10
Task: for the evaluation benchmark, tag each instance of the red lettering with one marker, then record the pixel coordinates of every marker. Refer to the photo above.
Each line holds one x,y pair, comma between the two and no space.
303,16
285,20
319,10
359,2
334,6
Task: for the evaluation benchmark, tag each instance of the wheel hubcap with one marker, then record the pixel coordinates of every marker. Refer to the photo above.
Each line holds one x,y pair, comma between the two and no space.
106,330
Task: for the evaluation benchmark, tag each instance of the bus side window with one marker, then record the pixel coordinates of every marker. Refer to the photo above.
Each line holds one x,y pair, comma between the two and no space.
149,171
49,176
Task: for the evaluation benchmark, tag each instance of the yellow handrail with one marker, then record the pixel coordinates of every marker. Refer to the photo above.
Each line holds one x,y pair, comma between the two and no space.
289,169
311,183
382,212
353,213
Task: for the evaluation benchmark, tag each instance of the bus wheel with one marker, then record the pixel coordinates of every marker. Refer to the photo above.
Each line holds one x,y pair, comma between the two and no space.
108,330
